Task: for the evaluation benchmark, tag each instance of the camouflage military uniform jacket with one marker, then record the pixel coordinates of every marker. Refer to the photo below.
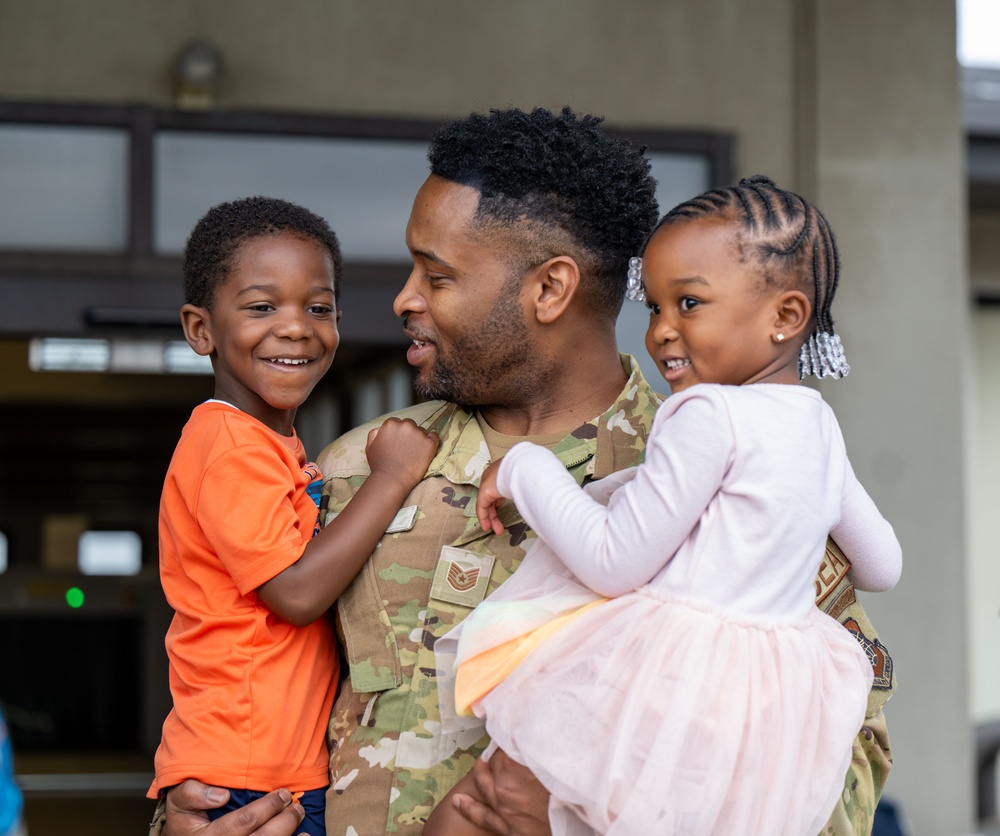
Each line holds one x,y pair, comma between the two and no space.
390,762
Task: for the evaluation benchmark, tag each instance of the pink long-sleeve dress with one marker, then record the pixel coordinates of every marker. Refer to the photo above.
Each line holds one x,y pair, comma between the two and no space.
707,694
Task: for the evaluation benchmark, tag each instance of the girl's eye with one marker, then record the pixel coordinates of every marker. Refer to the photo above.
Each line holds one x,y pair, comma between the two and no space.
687,303
654,309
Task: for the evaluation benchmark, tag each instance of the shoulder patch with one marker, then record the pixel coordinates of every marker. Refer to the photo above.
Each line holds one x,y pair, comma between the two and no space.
881,661
831,572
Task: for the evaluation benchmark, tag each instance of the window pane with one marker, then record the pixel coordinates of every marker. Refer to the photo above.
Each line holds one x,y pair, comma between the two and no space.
979,33
364,188
55,354
179,358
63,188
110,553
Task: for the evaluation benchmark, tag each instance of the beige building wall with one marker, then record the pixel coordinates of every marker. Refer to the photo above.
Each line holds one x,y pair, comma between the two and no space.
854,103
984,487
984,545
891,175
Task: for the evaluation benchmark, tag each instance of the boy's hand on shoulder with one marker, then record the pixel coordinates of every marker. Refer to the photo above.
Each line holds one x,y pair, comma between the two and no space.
401,449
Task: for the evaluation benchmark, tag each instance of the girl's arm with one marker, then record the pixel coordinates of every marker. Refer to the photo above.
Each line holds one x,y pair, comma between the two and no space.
399,453
618,548
867,539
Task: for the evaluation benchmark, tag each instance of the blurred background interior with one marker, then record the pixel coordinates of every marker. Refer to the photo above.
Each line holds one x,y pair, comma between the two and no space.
122,121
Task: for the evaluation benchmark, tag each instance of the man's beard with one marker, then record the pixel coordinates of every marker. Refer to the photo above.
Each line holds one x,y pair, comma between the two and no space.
495,365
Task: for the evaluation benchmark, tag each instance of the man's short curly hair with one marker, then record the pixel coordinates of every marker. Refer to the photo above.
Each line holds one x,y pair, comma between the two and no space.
215,239
572,189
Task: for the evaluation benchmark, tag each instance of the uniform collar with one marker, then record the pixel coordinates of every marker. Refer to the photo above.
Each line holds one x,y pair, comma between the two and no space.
464,454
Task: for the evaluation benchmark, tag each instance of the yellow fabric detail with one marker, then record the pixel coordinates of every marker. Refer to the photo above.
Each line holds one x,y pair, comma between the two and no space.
482,673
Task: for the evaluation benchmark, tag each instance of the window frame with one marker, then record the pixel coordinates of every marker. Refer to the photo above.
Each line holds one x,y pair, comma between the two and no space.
97,293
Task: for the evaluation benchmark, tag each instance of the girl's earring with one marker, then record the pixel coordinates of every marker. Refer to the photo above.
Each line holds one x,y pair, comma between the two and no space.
779,337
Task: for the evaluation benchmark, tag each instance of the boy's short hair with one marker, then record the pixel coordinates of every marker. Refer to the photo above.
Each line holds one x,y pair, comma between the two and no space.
209,252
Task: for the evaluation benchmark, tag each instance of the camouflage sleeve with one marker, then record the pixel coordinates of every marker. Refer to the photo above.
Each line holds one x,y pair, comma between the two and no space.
854,814
872,758
159,817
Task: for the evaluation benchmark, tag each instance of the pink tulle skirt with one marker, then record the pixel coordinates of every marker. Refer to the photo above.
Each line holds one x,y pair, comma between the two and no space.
646,715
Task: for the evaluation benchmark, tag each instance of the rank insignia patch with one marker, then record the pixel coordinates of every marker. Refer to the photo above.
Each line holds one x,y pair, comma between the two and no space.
462,577
881,661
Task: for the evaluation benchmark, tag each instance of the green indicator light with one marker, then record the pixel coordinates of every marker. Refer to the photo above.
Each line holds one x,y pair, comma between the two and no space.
74,597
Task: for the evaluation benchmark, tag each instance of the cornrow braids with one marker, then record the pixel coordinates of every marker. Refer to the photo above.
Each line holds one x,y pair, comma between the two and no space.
788,235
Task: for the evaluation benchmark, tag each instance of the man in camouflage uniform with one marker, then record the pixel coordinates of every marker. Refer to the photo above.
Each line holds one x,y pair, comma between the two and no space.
520,240
386,743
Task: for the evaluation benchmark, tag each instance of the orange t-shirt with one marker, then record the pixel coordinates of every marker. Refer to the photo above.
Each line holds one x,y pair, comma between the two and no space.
252,694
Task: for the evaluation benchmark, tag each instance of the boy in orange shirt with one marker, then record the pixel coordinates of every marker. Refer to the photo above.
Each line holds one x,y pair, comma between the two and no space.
253,659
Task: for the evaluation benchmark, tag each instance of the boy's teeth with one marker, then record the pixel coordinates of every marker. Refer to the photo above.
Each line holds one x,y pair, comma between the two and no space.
677,364
289,362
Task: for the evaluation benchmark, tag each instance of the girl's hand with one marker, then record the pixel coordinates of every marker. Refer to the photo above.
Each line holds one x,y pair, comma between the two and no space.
401,450
489,499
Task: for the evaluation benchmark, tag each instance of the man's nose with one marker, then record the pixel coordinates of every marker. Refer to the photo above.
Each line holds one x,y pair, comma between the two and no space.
409,300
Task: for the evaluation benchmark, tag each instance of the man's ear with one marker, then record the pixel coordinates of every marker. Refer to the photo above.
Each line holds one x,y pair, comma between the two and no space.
554,284
792,313
196,323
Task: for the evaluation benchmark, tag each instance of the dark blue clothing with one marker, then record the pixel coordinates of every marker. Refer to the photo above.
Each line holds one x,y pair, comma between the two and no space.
312,801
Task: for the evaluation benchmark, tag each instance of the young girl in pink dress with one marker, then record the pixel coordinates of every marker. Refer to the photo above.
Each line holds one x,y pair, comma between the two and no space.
658,660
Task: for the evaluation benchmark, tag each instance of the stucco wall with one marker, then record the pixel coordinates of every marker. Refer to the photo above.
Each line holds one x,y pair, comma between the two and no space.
890,173
707,64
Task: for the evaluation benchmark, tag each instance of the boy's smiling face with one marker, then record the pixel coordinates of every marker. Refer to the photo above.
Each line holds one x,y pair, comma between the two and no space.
271,330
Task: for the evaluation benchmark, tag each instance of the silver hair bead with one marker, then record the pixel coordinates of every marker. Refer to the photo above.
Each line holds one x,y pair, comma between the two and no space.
822,355
634,289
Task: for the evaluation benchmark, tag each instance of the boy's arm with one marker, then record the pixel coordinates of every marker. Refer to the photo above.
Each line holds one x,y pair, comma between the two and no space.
399,453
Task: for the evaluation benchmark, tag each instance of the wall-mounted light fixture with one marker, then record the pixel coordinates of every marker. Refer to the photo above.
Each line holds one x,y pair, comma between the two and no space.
197,70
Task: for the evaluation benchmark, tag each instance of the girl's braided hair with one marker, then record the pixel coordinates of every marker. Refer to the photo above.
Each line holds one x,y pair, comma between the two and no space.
788,236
